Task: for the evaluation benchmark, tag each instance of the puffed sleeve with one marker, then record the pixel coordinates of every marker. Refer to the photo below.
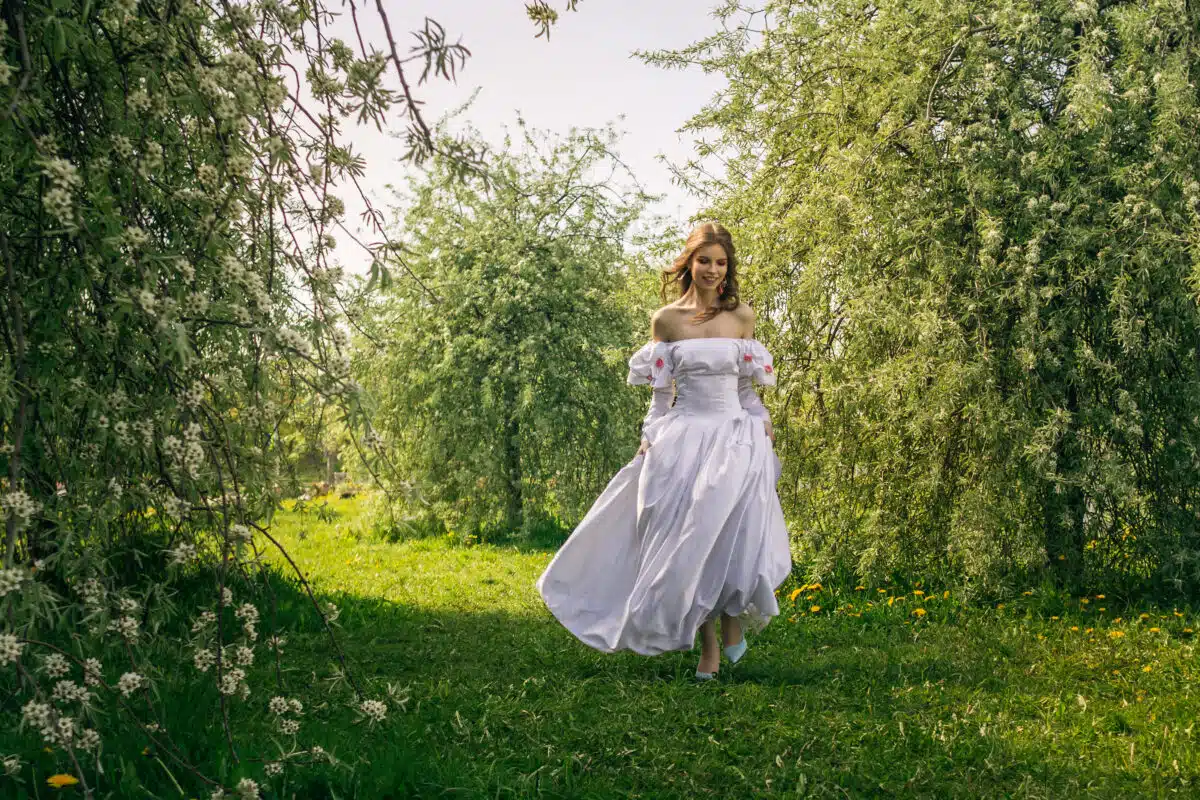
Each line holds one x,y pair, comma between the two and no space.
757,364
651,364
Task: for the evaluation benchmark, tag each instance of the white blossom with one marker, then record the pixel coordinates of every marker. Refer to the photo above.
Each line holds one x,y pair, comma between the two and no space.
10,649
130,682
247,789
375,710
55,665
204,659
10,580
92,672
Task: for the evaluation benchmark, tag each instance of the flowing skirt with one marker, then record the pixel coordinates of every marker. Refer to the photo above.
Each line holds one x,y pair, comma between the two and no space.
689,530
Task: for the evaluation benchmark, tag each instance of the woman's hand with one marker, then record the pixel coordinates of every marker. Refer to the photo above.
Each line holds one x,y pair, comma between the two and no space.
643,448
770,430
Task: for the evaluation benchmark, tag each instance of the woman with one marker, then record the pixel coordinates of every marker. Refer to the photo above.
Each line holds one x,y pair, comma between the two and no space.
691,529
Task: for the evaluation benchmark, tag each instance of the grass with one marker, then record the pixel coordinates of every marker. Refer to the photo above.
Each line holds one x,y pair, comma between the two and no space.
851,692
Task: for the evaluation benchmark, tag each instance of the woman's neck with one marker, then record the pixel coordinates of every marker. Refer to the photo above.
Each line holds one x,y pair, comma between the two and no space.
698,298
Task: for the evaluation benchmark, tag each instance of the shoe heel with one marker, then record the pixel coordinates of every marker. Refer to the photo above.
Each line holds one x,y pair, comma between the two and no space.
734,652
705,676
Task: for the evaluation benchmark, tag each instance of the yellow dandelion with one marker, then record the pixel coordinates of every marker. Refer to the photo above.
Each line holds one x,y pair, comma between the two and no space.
918,593
62,779
946,594
881,591
860,588
1088,630
1041,638
1054,618
1099,597
919,612
1062,558
891,600
1102,608
1178,614
1154,630
1116,634
1187,630
1147,668
814,609
1116,672
1083,601
1027,594
1144,616
1000,607
791,619
816,587
1116,621
1074,627
794,595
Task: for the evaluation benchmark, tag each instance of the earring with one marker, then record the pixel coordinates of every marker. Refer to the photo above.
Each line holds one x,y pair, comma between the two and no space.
721,288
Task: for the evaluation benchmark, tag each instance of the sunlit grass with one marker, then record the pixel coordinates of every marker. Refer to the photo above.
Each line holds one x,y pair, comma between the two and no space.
862,690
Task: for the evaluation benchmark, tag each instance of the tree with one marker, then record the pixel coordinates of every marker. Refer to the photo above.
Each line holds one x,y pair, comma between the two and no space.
166,221
973,232
498,374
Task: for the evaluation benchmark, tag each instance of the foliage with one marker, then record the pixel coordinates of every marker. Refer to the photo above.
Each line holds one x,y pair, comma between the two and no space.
974,232
166,220
497,374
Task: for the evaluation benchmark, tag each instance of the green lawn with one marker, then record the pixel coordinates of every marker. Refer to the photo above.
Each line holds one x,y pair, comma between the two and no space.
844,695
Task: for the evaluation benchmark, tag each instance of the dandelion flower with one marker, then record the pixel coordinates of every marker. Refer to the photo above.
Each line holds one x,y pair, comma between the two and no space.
814,609
1116,634
1147,668
1154,630
62,779
920,612
794,595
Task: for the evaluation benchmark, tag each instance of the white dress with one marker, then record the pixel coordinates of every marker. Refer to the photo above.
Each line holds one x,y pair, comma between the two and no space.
693,527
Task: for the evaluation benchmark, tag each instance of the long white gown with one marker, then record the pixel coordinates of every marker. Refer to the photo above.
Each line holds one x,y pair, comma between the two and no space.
693,527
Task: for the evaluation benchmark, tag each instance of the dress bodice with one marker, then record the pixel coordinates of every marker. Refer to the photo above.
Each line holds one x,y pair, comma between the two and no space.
706,371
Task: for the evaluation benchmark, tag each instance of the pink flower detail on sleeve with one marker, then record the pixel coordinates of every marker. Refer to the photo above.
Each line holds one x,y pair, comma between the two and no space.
659,363
747,357
767,369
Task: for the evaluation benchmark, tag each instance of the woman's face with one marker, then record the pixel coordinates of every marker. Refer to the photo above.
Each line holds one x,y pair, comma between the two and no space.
709,265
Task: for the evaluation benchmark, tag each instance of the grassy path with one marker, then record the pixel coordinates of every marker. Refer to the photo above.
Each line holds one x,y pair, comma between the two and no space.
837,698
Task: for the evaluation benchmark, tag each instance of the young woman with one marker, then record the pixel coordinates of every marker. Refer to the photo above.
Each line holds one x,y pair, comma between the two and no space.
691,529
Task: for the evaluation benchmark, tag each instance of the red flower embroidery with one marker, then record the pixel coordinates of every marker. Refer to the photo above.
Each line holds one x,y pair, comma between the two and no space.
767,369
658,363
747,357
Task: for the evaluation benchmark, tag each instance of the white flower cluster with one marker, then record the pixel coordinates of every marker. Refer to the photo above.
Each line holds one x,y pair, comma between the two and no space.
130,682
93,672
55,665
10,649
247,789
175,507
12,764
240,533
374,710
248,614
206,619
185,455
234,682
331,612
145,429
68,691
273,768
182,553
204,659
11,580
19,506
293,340
57,729
129,628
64,180
193,396
243,656
93,594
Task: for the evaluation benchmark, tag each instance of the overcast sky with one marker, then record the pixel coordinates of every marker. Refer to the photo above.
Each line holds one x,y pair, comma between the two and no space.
584,76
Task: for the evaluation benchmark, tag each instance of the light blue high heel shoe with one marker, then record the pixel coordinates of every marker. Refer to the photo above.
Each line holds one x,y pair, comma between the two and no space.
734,652
705,676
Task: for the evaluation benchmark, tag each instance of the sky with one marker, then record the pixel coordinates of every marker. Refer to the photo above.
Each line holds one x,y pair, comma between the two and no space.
584,76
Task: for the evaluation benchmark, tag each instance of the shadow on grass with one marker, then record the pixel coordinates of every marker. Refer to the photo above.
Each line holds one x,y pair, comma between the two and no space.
509,705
